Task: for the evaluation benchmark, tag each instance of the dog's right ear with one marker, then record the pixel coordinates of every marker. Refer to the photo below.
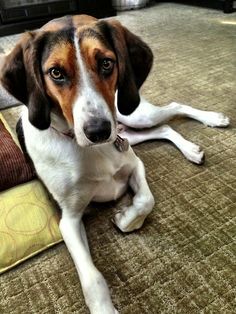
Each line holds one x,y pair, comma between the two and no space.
21,77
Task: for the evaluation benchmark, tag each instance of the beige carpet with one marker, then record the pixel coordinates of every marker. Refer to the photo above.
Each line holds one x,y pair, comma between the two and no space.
183,259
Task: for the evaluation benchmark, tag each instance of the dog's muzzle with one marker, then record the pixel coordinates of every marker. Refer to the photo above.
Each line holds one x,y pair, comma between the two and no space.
97,130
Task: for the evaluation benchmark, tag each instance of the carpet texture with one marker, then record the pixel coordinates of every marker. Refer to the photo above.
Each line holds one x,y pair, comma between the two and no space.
183,259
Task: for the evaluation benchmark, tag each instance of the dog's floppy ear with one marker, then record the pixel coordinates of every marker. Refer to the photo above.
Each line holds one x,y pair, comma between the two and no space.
21,77
134,63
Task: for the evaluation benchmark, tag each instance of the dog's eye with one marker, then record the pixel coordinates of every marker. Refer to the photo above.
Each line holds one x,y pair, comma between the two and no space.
107,66
56,74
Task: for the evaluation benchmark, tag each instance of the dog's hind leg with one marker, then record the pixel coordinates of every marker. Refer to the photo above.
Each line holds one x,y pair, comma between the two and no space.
190,150
147,115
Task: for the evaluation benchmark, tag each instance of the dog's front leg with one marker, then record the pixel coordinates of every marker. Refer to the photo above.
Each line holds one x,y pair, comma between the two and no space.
132,217
95,289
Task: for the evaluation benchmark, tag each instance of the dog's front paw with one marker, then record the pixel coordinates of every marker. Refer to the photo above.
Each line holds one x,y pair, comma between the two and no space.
122,221
194,153
132,218
216,119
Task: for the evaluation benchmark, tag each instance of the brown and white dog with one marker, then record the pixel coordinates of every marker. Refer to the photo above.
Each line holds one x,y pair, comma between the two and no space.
78,74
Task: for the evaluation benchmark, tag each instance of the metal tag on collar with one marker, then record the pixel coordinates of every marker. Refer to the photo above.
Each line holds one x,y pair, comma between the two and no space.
121,144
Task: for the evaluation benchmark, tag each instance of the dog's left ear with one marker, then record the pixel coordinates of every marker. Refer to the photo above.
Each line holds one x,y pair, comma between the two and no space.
21,76
135,60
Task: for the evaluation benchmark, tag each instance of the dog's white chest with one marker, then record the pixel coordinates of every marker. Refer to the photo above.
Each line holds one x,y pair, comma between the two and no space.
66,169
113,185
108,171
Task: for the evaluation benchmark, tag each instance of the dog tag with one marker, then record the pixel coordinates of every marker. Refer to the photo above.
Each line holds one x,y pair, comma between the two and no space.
121,144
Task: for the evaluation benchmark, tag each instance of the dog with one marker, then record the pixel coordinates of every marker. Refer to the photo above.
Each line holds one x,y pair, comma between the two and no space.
79,78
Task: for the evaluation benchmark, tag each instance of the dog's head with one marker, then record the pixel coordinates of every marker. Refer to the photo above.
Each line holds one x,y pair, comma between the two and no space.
75,65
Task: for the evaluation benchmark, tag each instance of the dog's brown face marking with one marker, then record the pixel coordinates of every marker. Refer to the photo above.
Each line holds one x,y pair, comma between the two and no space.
61,69
101,65
62,59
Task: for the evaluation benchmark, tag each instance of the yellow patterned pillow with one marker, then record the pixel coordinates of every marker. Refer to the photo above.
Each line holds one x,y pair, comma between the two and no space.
28,223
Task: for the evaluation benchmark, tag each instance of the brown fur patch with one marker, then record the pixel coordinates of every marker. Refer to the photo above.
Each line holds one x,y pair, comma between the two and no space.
58,24
93,51
81,20
63,55
75,21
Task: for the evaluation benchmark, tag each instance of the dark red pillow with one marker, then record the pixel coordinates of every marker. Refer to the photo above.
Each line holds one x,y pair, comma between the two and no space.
14,169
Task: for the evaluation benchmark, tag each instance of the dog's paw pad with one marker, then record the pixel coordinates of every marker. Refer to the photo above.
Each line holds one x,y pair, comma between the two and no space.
199,158
125,224
194,154
223,121
217,119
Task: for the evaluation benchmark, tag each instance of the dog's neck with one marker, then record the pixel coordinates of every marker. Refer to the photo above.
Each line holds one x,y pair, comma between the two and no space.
59,123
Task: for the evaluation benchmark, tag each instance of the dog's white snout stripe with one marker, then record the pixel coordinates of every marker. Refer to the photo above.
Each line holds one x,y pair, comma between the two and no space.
89,104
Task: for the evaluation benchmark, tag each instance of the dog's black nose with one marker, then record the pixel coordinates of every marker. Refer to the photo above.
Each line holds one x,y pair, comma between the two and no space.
97,130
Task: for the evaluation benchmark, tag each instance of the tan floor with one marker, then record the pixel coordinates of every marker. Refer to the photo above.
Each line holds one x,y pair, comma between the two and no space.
183,259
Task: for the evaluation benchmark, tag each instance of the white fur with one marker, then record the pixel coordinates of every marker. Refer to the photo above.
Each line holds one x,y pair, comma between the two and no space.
88,104
147,117
77,174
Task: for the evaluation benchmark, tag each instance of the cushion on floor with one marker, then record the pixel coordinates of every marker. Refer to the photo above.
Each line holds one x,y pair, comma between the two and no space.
28,223
14,169
28,217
